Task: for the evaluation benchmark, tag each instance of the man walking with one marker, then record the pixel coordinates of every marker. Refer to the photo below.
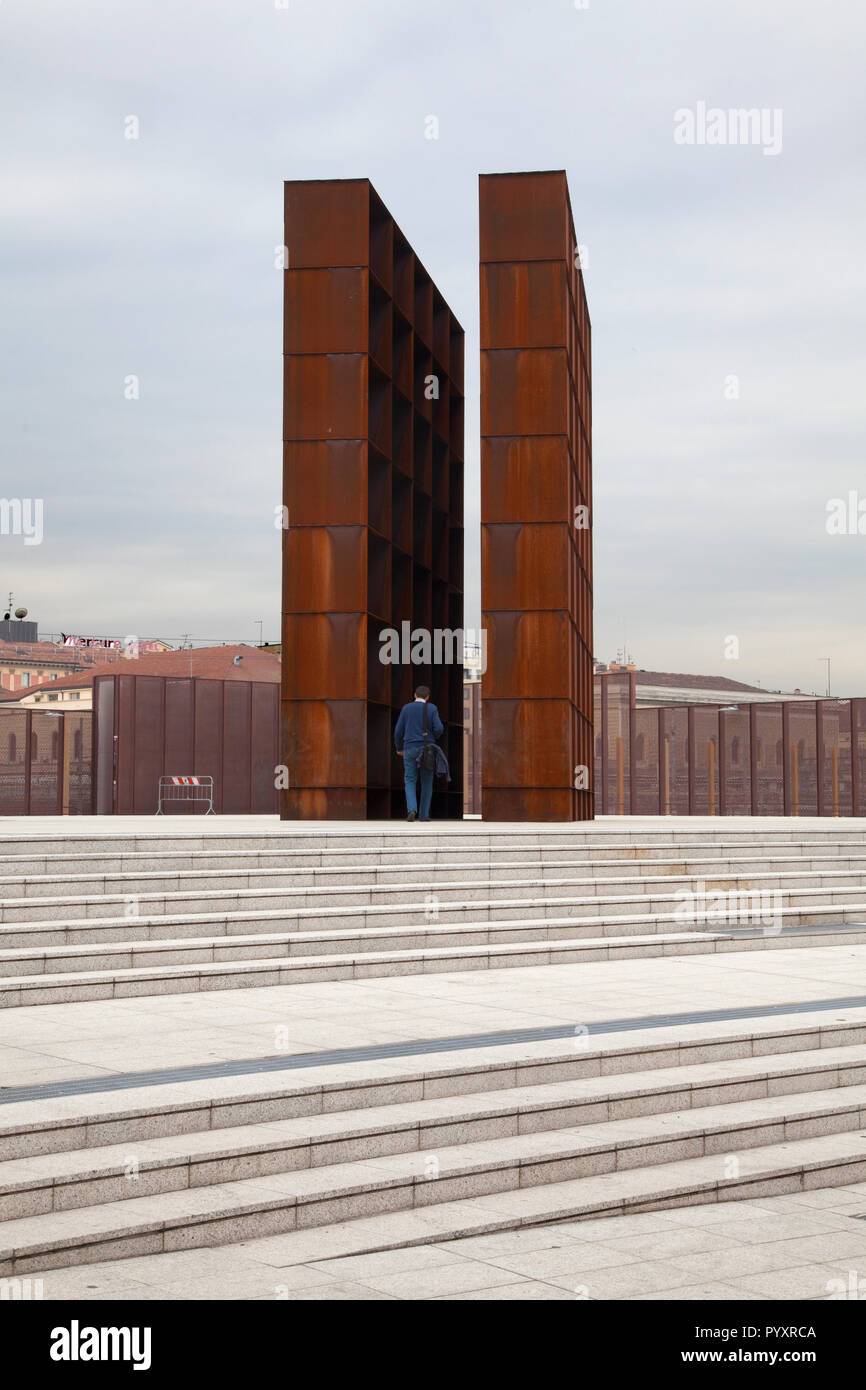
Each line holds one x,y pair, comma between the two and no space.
418,724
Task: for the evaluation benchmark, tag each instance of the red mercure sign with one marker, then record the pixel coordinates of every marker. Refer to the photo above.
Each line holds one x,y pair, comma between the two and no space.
111,642
116,644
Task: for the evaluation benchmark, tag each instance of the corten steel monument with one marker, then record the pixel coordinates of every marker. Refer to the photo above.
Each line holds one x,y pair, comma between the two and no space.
373,484
536,484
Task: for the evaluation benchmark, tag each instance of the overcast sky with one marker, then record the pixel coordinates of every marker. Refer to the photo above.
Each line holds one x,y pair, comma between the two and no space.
154,257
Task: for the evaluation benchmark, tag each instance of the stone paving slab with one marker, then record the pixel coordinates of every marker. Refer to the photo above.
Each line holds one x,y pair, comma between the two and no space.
691,1253
102,1035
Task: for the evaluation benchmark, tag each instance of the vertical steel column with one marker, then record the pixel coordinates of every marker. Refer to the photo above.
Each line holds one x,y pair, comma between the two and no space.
61,740
28,759
753,758
820,754
786,762
723,763
856,709
632,754
373,495
536,499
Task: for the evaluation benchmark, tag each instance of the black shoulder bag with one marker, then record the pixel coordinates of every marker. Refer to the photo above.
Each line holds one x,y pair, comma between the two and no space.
427,760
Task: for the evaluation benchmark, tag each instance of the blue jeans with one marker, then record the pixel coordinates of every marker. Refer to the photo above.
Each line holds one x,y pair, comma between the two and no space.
411,754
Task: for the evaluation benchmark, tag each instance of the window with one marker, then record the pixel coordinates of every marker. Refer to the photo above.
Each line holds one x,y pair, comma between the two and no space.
53,676
74,695
54,697
25,678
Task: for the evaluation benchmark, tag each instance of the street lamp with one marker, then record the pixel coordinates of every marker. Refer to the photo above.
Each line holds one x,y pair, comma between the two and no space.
827,659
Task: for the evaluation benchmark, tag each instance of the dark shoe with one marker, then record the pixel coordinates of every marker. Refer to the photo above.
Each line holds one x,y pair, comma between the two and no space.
425,820
413,815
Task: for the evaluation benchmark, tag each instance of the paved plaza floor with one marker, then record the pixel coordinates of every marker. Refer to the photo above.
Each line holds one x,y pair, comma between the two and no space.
806,1247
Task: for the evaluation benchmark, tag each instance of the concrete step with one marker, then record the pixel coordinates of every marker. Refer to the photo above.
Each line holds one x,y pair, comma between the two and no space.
792,1054
609,890
754,1103
162,949
252,932
84,882
501,1176
560,943
700,903
158,854
764,1172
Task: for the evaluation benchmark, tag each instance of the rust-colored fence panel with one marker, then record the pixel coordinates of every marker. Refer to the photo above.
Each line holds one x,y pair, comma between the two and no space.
735,771
147,727
768,760
15,762
801,766
833,742
45,763
373,490
673,762
796,758
703,761
536,494
858,756
645,763
78,764
616,705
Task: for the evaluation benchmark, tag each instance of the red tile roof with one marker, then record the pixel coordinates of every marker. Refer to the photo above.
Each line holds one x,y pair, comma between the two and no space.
670,678
214,663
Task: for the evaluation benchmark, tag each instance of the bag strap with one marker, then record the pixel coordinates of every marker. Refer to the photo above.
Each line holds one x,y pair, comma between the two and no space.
425,721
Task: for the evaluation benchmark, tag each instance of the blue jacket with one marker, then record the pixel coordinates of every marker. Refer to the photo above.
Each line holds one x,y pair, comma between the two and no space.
410,725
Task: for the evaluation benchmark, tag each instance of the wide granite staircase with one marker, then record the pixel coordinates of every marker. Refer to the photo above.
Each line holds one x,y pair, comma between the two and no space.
381,1151
174,915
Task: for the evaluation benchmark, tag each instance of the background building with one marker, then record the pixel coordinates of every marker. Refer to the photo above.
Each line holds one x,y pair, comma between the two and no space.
26,661
215,663
669,688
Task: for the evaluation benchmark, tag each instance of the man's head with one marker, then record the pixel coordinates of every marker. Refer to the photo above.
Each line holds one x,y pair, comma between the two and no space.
422,692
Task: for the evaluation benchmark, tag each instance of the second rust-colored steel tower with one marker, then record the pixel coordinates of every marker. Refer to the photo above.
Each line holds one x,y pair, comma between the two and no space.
373,487
536,498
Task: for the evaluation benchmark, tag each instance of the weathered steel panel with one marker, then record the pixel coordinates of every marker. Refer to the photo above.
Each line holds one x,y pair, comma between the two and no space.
524,217
168,726
325,568
325,397
531,564
326,311
325,656
527,477
524,305
325,482
525,392
324,230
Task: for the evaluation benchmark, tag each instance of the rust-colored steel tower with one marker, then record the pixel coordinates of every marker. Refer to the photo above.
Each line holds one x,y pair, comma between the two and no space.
373,486
536,496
